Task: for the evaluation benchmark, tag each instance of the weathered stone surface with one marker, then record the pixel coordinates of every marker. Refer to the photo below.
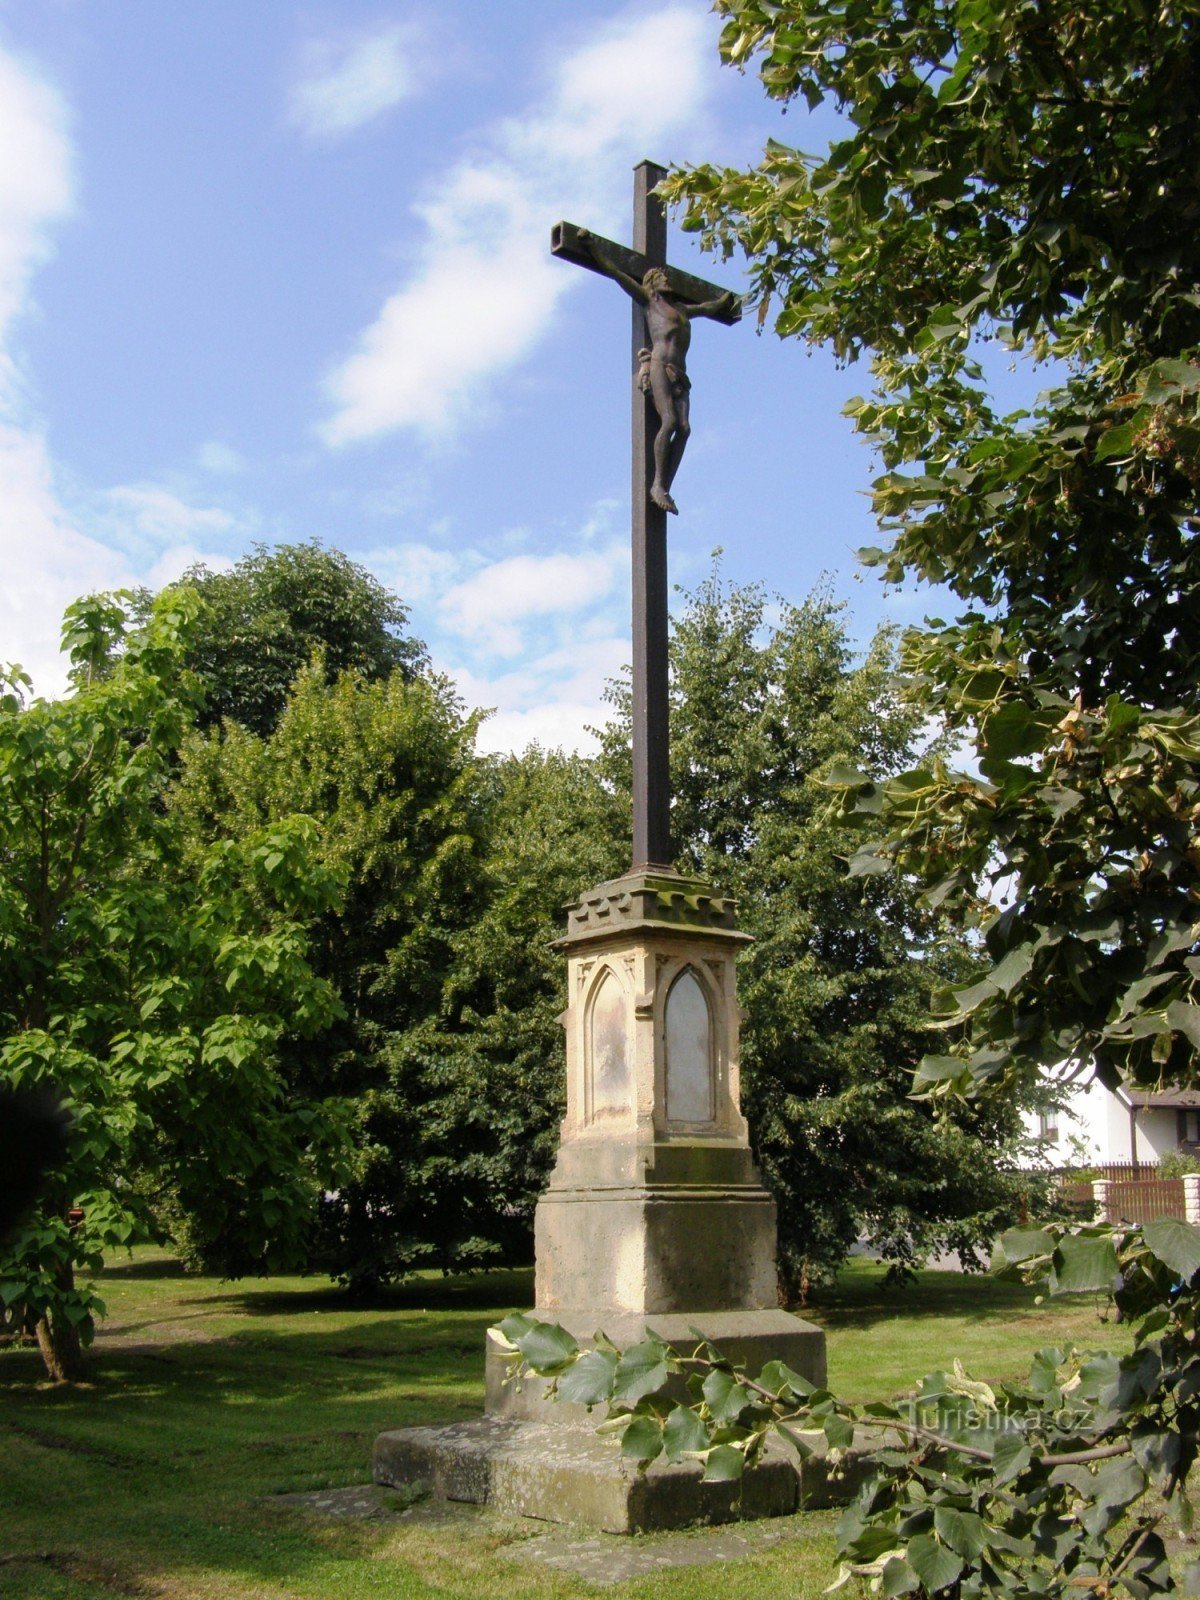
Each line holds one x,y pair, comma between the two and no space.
751,1338
570,1474
639,1249
655,1217
825,1482
652,899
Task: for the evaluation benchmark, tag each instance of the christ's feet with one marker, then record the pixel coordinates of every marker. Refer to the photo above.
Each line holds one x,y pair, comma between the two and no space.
663,500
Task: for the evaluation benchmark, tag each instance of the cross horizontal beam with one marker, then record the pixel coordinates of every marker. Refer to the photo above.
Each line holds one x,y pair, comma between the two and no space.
565,242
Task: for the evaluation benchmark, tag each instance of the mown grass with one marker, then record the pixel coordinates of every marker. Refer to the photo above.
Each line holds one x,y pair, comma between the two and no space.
211,1399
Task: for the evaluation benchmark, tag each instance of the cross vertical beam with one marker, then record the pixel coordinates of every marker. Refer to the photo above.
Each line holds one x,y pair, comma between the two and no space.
667,331
651,712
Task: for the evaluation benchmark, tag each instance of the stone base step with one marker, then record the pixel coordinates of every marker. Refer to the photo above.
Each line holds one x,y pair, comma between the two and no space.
572,1474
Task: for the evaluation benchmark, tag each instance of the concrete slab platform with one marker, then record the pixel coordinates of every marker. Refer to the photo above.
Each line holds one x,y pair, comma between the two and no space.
562,1473
567,1474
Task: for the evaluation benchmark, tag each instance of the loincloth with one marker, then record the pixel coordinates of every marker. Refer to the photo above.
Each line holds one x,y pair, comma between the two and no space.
680,381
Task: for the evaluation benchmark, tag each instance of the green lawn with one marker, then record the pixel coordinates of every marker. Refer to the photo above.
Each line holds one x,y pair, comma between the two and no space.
212,1399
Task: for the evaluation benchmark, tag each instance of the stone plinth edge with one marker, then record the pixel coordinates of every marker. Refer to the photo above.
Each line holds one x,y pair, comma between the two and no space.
569,1474
651,901
747,1338
572,1474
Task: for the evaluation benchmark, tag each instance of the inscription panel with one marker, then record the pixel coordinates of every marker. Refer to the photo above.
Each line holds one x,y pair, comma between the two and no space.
609,1062
689,1052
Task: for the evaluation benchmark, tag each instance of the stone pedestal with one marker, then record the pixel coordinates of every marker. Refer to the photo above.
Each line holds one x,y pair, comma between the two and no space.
654,1218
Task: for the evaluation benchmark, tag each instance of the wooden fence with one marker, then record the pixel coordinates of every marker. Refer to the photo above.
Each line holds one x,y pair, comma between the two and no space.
1127,1201
1129,1172
1110,1171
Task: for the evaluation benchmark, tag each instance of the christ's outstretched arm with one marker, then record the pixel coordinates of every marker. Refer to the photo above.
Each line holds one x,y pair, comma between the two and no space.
721,307
610,269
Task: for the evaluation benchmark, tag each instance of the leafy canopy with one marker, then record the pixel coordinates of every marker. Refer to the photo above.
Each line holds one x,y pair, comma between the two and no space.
264,618
1017,180
448,1059
148,989
767,701
1054,1485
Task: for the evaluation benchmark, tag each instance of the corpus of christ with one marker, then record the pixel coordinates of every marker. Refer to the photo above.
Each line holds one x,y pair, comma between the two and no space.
655,1218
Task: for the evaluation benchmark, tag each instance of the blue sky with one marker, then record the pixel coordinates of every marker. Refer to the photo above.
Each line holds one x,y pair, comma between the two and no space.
274,271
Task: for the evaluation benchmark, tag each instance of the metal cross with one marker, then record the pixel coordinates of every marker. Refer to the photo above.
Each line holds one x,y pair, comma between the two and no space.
651,734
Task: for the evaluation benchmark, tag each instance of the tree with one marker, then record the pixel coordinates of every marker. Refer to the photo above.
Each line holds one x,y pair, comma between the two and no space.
1017,179
836,985
448,1057
387,769
488,1067
148,991
264,618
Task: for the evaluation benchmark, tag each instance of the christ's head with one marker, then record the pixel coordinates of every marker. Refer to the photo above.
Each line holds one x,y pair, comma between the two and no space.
655,281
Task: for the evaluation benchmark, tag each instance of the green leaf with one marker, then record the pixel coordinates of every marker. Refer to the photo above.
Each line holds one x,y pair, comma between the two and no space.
1015,730
1084,1265
546,1347
1010,1457
642,1370
1117,441
779,1378
1175,1243
642,1439
839,1431
684,1431
971,996
942,1069
843,776
724,1464
1016,965
803,1443
962,1531
590,1380
1118,1484
1020,1244
725,1397
515,1327
936,1566
867,862
898,1578
1185,1019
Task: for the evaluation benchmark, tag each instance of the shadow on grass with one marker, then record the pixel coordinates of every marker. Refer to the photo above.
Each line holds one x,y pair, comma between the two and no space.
858,1301
156,1266
465,1292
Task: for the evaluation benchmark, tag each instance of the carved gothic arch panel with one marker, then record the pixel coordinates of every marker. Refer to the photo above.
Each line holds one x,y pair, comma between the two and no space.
608,1053
690,1042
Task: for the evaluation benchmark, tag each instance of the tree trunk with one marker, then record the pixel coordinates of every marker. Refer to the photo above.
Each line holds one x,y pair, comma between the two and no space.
58,1340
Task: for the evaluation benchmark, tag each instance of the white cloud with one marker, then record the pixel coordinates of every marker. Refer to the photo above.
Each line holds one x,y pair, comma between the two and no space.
219,459
35,181
175,561
553,698
417,572
347,82
148,514
46,558
45,561
147,511
484,287
488,608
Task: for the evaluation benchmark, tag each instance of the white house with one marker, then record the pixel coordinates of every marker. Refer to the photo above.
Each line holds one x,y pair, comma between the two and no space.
1098,1126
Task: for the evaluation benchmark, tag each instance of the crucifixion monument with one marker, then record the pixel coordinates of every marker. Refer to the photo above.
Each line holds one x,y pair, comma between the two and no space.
655,1217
